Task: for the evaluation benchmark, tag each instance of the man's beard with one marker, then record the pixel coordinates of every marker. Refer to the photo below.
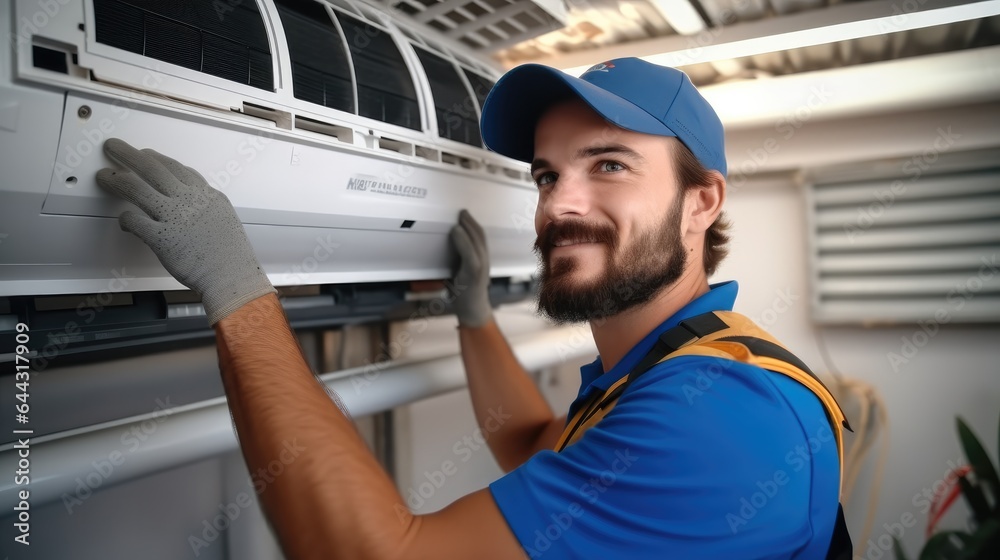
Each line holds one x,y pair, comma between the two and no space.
632,275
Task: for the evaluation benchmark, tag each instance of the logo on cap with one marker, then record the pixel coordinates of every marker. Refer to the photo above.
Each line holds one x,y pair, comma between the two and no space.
602,67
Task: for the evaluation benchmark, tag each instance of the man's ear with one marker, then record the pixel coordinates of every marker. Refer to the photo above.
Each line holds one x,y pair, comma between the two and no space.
704,202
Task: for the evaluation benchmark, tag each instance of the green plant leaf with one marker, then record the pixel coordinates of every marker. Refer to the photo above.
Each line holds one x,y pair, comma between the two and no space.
897,550
943,545
986,473
973,494
982,542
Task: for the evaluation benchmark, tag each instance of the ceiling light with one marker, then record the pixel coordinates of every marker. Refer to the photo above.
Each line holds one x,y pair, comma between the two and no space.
681,15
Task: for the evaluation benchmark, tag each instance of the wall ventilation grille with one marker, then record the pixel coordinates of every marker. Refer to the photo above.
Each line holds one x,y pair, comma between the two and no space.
907,249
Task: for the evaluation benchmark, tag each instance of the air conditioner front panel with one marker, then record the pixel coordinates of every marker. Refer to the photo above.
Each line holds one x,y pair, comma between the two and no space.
315,214
271,177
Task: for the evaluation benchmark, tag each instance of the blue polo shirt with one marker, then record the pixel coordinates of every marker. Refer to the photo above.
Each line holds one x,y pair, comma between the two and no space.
701,458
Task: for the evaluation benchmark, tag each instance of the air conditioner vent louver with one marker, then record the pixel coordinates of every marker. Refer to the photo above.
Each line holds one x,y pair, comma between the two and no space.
907,249
456,114
385,88
320,70
191,35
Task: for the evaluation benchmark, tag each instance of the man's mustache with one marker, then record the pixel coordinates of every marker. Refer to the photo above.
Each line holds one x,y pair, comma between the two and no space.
573,230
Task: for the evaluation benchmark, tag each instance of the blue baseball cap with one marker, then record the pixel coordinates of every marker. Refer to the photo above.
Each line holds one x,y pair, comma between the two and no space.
628,92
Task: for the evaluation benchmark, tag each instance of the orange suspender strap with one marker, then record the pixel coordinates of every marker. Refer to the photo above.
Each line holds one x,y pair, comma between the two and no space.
591,414
721,334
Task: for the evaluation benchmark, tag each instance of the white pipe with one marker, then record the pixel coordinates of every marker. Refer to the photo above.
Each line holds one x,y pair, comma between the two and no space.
74,463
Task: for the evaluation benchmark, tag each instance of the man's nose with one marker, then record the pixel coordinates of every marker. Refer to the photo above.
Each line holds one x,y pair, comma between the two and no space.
568,197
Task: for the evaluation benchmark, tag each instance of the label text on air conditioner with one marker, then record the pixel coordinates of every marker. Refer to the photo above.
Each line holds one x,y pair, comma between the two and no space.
375,186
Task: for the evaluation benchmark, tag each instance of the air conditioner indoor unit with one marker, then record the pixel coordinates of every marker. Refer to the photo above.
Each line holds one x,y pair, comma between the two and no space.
346,137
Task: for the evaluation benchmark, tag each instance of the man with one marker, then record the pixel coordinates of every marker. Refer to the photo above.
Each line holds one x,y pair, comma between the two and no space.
701,457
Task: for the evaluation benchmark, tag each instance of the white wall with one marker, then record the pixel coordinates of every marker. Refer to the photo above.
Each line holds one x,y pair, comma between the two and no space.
152,517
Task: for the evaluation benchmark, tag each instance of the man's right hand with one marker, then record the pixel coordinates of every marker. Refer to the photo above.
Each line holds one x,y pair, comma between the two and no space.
470,285
191,227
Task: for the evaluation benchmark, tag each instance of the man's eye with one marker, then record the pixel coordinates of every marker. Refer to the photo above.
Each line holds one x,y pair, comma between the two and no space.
611,166
545,178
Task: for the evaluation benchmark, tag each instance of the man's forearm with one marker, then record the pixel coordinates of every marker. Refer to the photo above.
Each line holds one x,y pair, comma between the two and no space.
331,499
510,410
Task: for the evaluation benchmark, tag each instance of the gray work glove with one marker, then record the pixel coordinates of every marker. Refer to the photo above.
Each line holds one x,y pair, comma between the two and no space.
470,285
191,227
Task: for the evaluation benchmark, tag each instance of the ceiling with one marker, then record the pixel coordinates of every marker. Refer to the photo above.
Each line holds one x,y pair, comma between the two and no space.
594,25
713,41
756,61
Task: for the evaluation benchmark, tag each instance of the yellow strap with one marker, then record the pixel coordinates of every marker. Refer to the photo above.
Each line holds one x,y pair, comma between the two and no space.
709,345
739,352
592,420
